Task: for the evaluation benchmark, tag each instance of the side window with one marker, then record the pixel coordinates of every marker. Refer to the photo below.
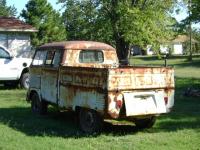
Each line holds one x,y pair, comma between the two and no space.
53,58
49,58
39,58
57,58
91,56
3,53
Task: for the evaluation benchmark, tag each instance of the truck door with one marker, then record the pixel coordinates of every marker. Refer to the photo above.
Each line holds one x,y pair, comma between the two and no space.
49,80
8,67
36,69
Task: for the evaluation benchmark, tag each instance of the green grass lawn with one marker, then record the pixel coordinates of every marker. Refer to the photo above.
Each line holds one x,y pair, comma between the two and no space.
20,129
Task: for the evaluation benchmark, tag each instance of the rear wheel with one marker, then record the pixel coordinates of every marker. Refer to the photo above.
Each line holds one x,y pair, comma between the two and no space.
24,81
90,121
37,106
145,123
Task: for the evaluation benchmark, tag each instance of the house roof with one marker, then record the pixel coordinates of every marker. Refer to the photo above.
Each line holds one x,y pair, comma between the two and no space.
11,24
183,38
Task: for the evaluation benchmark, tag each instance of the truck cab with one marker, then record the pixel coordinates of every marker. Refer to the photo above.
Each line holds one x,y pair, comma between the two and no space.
85,77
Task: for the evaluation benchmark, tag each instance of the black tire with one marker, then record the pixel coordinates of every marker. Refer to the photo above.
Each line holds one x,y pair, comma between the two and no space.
37,106
24,81
145,123
11,85
90,121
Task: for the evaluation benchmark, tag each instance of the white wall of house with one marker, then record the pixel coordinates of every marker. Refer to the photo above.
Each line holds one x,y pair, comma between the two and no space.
164,49
149,50
16,43
178,48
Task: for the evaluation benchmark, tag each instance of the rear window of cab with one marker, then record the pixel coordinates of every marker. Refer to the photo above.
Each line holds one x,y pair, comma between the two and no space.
91,56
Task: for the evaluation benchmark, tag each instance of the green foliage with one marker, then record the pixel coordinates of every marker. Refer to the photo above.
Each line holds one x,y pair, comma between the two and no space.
120,23
193,13
195,7
7,11
84,22
141,25
41,15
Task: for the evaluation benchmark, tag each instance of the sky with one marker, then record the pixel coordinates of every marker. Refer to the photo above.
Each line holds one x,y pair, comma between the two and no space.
20,4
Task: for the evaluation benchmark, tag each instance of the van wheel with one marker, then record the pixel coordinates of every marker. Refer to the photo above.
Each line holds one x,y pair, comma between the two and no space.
145,123
37,106
11,85
90,121
24,81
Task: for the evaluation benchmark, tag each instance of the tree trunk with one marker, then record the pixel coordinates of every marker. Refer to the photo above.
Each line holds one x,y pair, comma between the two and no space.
122,50
121,45
190,32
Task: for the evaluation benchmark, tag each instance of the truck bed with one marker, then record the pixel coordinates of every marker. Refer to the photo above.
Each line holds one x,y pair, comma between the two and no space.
124,78
140,78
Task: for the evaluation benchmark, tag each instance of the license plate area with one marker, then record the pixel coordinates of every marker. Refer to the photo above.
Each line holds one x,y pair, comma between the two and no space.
144,103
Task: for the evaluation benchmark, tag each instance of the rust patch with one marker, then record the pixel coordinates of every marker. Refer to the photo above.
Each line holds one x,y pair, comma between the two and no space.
74,45
140,78
112,109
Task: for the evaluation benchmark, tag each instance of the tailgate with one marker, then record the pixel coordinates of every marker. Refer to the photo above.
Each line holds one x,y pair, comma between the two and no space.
130,78
144,103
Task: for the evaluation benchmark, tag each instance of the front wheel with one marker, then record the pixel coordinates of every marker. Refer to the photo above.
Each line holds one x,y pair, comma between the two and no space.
145,123
24,81
90,121
37,106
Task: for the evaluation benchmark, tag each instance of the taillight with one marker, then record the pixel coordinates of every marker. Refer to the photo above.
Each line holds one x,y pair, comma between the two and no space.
166,100
119,103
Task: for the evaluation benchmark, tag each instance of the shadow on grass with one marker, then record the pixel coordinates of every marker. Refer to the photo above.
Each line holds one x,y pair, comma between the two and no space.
193,64
10,87
61,124
22,119
64,124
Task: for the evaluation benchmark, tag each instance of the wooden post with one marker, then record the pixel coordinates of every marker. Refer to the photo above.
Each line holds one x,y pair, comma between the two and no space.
190,31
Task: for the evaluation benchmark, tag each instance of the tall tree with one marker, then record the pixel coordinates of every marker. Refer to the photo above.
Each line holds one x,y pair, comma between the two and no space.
192,7
123,22
41,15
195,13
7,11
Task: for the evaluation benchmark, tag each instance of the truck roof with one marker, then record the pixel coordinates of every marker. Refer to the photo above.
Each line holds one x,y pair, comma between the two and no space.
89,45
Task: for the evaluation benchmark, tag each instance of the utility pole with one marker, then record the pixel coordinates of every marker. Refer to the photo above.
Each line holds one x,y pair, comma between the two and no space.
190,30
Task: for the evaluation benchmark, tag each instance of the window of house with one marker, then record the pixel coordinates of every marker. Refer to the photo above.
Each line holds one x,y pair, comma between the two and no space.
91,56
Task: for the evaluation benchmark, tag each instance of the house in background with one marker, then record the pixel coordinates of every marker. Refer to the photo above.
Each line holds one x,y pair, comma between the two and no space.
15,35
137,50
177,46
180,42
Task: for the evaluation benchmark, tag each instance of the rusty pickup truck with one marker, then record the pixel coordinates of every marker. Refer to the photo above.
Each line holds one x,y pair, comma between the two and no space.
85,77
